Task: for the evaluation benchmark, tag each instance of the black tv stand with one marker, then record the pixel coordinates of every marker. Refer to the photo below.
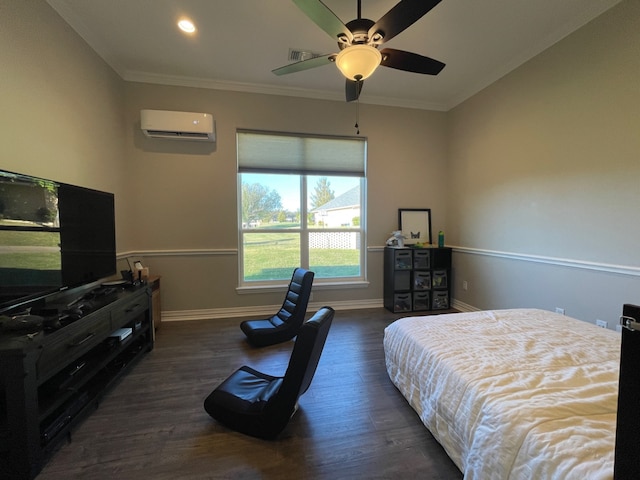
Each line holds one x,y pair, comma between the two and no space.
52,380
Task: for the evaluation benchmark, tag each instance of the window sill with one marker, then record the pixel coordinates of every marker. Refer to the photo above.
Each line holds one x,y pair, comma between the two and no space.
317,285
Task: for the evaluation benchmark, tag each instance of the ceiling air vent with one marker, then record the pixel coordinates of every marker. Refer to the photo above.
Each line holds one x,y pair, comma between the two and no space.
297,55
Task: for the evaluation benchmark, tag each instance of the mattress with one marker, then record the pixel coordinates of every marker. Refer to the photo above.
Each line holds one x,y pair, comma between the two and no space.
511,394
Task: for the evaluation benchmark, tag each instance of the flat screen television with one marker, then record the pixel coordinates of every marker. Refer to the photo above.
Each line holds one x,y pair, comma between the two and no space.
53,236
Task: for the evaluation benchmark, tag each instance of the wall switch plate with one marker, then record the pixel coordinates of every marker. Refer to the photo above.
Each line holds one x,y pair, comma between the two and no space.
465,285
601,323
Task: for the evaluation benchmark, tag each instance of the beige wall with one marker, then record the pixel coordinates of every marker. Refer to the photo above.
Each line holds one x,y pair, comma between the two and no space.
534,180
69,117
61,106
186,209
544,168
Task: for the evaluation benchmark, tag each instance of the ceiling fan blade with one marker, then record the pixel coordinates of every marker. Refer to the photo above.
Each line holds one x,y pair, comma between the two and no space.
403,15
320,14
353,89
305,64
410,62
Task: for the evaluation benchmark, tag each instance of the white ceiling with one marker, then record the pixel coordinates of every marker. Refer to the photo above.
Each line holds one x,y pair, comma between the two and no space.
239,42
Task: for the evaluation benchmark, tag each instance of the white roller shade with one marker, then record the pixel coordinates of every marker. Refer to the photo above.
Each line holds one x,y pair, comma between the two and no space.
272,152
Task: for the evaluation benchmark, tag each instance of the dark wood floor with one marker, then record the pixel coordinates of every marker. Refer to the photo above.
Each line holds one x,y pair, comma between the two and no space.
352,422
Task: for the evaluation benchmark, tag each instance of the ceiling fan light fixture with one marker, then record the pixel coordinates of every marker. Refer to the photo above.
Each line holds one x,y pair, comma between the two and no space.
358,62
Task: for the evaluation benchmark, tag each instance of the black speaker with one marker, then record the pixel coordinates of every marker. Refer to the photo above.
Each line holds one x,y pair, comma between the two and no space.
127,275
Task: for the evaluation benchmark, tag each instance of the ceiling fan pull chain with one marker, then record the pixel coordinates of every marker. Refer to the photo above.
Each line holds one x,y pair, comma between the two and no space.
357,116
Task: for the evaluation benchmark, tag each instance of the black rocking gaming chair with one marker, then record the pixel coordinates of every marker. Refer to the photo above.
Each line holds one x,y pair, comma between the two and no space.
285,324
261,405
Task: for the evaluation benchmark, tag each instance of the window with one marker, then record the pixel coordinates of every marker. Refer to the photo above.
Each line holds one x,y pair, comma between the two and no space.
301,203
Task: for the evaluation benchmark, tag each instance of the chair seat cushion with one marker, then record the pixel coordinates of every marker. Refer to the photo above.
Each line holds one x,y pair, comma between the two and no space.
241,403
246,390
267,332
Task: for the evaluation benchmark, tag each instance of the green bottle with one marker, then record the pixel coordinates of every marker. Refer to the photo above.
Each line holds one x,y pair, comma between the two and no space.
440,239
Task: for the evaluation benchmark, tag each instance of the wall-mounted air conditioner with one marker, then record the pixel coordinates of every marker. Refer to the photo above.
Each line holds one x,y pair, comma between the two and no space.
178,125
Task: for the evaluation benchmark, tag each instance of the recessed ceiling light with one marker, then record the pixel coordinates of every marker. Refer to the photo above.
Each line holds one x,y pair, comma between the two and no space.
186,25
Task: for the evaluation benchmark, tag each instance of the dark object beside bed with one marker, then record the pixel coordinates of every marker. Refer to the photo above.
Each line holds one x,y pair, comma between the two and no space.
627,460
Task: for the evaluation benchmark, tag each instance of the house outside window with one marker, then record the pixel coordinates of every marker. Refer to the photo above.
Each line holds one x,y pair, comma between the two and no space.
301,202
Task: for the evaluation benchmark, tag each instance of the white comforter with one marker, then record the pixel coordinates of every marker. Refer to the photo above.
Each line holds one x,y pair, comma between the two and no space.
512,394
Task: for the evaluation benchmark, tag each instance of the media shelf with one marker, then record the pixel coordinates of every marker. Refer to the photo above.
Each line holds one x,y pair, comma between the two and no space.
52,380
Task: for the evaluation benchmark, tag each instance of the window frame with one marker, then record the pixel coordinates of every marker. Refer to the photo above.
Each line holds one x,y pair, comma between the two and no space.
304,230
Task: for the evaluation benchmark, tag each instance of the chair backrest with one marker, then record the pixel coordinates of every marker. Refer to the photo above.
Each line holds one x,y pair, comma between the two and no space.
295,303
305,357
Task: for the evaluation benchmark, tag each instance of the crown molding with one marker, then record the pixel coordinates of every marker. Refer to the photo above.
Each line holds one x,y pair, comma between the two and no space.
194,82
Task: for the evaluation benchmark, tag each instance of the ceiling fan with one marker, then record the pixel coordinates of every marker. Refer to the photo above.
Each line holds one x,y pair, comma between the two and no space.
359,40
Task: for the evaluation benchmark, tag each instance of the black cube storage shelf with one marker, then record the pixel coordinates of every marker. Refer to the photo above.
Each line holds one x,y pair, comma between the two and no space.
417,279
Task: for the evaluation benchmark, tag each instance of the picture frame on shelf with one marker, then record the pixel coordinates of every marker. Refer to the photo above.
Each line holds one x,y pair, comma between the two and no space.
415,225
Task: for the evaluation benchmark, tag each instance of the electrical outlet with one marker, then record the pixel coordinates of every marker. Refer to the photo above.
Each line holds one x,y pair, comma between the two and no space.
465,285
560,310
601,323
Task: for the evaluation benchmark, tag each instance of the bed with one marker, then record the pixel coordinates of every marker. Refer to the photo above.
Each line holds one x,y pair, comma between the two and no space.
511,394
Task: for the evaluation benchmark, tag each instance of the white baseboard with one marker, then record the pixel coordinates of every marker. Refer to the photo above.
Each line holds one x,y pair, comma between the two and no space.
463,307
261,311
